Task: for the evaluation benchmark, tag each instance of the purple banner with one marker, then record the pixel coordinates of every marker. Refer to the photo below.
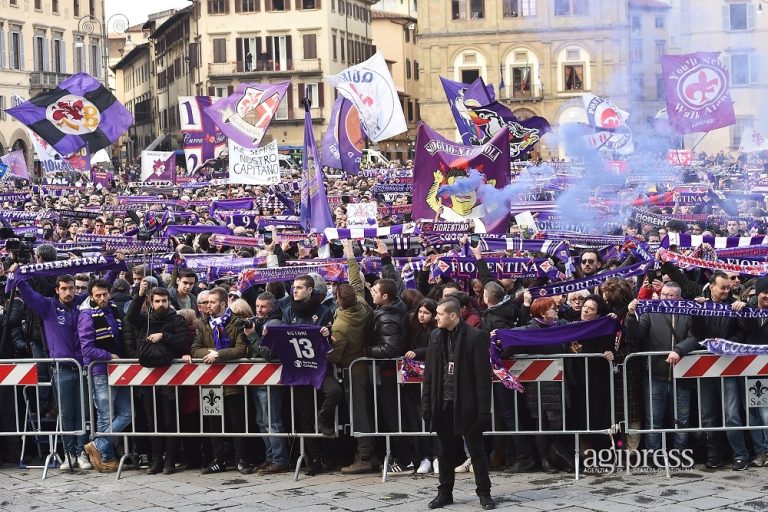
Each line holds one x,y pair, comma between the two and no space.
696,87
315,213
482,171
245,115
202,139
16,163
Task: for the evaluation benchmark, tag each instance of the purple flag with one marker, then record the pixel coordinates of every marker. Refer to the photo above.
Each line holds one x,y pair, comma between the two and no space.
101,177
459,94
158,166
344,141
485,169
79,112
17,166
315,213
202,138
491,118
244,115
696,89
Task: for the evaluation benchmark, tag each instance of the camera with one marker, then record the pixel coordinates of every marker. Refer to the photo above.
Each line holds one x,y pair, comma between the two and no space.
22,248
250,323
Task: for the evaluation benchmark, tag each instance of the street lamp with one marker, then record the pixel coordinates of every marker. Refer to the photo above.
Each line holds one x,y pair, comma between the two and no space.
760,6
89,24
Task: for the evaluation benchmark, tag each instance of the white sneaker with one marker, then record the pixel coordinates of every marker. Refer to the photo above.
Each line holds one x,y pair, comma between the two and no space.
436,466
425,467
83,462
466,467
68,463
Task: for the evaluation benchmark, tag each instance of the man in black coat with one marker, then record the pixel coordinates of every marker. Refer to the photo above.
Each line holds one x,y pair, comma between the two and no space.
456,398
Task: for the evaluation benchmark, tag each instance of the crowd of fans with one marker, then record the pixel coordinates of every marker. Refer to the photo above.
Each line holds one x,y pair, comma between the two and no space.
162,314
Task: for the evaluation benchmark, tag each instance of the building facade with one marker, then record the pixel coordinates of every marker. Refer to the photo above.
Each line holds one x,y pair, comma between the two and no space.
269,41
738,29
545,53
42,42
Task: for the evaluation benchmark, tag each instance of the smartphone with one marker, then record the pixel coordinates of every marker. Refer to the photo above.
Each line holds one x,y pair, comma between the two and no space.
267,234
474,240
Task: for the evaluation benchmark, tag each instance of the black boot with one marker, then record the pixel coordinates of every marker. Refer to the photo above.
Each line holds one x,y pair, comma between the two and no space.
170,466
441,501
157,464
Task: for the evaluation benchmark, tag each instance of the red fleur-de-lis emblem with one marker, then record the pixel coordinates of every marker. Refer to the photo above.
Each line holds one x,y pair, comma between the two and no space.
703,87
68,110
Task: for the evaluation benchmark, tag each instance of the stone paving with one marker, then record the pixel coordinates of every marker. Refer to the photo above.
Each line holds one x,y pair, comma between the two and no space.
187,491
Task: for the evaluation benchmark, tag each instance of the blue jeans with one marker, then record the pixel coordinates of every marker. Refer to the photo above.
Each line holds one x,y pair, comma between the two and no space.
121,409
72,406
272,409
733,389
658,398
759,416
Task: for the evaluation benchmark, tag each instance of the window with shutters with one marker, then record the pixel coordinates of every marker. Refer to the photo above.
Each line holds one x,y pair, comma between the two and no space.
218,6
38,5
416,70
661,50
738,16
92,7
333,5
177,66
310,46
3,115
41,55
342,48
342,7
521,81
408,69
659,87
636,51
219,50
309,4
247,5
14,3
659,21
76,8
95,59
55,6
636,22
515,8
311,92
410,111
333,45
743,68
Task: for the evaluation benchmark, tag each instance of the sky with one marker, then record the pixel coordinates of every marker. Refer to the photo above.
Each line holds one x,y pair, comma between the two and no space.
137,10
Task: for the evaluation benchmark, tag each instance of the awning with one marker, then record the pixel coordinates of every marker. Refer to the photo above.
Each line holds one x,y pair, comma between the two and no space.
156,142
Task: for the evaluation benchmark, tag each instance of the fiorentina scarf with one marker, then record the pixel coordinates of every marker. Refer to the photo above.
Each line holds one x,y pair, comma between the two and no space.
590,282
693,308
576,331
58,267
724,347
220,338
720,242
500,268
686,261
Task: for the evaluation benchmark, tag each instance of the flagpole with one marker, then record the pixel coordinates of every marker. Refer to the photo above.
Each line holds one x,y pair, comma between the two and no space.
699,142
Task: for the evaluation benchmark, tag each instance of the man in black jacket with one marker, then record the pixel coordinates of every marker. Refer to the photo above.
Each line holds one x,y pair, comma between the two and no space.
161,336
726,328
456,398
389,331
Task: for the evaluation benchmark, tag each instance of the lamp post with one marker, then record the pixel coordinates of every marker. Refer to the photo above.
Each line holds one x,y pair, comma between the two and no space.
760,6
89,24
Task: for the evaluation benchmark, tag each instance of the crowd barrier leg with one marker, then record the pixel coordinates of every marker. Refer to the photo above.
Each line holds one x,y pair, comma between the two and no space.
302,454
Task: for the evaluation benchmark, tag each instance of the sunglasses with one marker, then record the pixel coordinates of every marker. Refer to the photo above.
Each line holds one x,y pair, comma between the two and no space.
733,278
588,261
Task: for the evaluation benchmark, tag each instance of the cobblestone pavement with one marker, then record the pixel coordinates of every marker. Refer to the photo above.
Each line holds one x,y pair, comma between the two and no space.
188,491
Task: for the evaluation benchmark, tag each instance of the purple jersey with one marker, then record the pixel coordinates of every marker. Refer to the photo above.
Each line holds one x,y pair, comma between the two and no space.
302,350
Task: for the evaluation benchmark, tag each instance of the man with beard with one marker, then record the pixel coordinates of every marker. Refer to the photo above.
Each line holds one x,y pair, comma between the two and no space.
306,308
268,399
59,316
220,338
162,336
103,336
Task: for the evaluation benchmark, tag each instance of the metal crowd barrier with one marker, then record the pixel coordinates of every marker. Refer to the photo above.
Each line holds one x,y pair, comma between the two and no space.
701,367
531,370
29,420
208,382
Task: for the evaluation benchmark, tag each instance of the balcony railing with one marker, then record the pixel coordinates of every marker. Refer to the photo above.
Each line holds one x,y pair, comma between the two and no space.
46,79
266,66
298,113
516,94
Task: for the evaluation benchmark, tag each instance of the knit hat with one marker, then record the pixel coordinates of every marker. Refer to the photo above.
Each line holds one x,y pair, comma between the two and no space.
761,286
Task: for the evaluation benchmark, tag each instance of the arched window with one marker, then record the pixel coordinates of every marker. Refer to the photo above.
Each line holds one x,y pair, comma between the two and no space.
468,65
573,66
521,75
